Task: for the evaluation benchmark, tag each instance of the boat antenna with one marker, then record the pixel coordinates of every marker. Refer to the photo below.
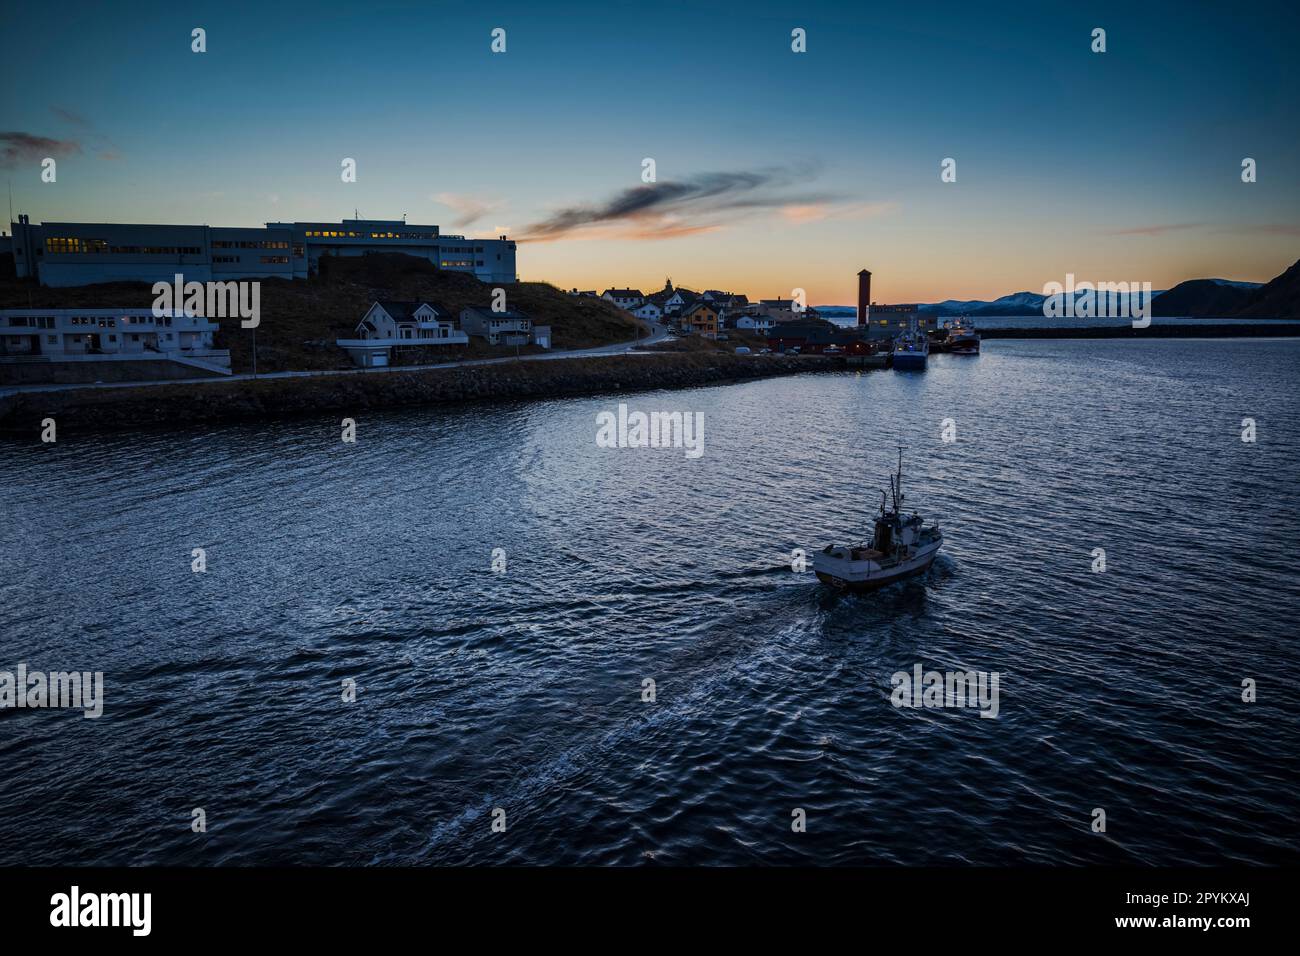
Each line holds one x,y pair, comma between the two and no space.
898,501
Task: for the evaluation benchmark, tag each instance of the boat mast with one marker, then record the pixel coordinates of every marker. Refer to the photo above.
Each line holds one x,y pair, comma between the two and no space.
898,484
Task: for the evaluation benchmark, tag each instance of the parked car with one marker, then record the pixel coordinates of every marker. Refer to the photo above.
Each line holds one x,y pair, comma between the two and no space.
793,351
723,336
742,350
832,350
764,351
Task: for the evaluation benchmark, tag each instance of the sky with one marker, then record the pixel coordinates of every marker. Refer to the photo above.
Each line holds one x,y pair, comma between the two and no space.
774,170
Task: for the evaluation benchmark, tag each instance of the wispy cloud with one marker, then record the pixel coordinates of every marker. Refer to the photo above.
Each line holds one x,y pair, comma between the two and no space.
1272,228
93,140
698,204
1248,228
19,148
820,212
1158,229
68,116
468,209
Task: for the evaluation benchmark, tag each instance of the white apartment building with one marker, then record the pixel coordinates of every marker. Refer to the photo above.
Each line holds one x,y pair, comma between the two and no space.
32,336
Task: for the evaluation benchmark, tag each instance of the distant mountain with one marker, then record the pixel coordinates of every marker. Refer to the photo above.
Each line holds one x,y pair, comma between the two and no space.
1198,298
1205,298
1278,299
1017,303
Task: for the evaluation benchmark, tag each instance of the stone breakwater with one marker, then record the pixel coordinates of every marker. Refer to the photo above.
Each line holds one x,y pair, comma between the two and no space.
215,403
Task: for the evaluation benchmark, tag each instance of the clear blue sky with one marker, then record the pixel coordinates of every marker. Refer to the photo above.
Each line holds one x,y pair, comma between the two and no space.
1122,165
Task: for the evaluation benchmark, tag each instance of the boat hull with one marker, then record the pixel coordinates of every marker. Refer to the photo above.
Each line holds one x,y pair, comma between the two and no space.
873,584
909,361
865,573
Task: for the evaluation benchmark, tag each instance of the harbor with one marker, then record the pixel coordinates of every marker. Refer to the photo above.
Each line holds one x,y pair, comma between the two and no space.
522,689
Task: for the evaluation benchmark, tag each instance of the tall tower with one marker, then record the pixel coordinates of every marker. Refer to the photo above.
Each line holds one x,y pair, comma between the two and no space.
864,296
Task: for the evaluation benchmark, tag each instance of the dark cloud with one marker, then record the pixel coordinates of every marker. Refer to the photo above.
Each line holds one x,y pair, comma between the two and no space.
19,148
689,205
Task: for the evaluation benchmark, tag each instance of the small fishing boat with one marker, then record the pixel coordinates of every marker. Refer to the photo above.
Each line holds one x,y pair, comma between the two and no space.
911,350
900,547
962,338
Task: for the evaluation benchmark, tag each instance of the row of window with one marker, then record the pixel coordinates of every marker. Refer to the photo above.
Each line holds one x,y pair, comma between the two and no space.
62,244
346,234
249,244
147,320
31,321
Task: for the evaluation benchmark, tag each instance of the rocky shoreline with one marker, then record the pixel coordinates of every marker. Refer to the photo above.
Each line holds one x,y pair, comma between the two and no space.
217,403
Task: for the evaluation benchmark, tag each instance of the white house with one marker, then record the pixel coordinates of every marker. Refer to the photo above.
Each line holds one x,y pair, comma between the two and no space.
624,298
410,323
648,311
510,327
29,336
390,323
680,299
761,323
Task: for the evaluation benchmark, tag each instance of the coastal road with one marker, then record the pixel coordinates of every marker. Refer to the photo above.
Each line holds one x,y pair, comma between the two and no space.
657,334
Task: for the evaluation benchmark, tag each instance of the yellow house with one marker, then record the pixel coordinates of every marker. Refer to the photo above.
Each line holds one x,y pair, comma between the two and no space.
702,319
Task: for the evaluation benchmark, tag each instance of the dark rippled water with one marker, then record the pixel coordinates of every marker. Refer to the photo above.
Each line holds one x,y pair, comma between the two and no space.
522,690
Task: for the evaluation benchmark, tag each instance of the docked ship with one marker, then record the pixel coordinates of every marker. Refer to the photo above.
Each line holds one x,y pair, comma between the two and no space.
962,338
911,349
901,546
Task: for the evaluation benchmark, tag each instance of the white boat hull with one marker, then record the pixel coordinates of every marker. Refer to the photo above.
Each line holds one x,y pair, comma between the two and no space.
840,569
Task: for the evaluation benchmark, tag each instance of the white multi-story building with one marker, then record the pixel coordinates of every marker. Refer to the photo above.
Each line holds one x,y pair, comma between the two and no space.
32,336
83,253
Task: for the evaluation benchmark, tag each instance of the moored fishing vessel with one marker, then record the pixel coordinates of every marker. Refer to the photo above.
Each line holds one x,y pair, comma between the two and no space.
962,338
901,546
911,349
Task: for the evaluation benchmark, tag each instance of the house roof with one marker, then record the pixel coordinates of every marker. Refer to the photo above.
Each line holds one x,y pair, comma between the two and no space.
698,306
403,310
625,293
487,313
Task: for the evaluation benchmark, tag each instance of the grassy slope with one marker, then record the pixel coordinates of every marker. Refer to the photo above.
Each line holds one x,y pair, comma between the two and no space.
301,319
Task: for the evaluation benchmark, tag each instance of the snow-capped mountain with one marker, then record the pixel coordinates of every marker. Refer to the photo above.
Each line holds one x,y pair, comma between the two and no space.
1032,303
